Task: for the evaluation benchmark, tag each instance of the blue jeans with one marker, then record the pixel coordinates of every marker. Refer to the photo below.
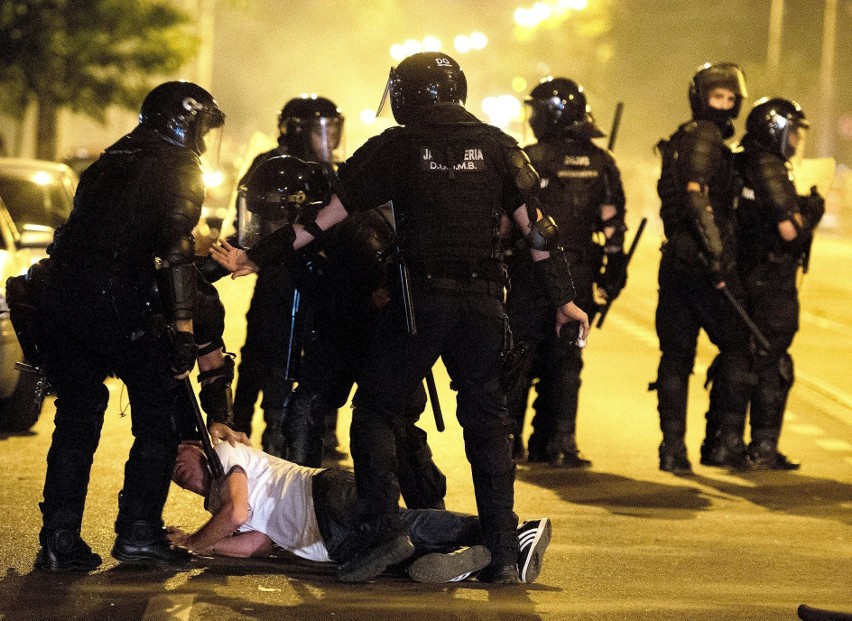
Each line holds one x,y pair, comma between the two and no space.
431,530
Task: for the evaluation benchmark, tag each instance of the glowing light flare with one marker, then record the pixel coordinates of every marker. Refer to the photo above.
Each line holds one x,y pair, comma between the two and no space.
367,116
462,44
401,51
473,41
212,178
41,178
397,52
502,109
478,40
543,11
412,46
431,44
519,84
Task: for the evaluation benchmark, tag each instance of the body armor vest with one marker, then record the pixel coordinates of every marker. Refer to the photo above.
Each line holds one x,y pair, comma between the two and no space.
118,224
768,195
449,219
577,177
696,152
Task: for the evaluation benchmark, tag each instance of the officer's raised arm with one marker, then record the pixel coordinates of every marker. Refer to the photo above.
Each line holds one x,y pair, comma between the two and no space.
283,206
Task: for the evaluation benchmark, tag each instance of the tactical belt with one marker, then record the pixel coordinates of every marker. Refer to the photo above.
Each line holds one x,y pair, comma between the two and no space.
489,287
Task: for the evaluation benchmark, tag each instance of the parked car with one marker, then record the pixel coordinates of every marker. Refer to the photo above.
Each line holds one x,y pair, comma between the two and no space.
35,197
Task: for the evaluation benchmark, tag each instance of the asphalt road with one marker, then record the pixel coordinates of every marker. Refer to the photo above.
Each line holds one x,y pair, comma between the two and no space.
629,541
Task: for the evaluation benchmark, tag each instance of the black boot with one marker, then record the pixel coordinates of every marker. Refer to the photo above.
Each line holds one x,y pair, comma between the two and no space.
764,455
673,457
729,451
144,543
564,452
65,550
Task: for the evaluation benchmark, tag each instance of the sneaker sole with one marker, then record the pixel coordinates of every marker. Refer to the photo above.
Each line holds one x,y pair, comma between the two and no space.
149,561
379,559
540,540
437,567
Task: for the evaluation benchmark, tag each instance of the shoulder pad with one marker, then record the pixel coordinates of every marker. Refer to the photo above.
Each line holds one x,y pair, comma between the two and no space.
700,149
501,137
538,151
703,130
525,176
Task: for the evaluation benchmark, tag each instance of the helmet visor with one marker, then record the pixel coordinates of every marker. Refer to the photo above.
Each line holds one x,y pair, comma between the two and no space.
326,137
384,109
794,139
258,216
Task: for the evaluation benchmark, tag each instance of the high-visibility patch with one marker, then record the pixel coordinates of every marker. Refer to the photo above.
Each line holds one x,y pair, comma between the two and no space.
467,160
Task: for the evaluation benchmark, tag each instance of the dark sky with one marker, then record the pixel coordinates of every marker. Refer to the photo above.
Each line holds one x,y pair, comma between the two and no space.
642,52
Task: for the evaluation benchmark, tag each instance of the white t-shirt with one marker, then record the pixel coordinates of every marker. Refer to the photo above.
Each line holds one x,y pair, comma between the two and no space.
280,496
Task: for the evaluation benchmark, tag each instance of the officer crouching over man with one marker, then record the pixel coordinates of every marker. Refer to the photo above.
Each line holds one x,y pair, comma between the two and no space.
450,179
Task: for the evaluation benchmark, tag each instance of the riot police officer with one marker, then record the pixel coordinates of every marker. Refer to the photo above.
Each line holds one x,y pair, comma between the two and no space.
450,179
334,317
775,231
130,232
581,190
697,189
310,128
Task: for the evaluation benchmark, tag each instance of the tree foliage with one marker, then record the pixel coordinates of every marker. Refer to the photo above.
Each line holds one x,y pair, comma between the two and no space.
86,55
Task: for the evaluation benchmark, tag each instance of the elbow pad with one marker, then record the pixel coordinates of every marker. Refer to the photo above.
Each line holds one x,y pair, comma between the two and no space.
544,234
273,249
556,276
177,287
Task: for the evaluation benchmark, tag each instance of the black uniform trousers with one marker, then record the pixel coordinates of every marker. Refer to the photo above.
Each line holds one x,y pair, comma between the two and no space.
334,353
88,335
263,357
688,302
773,303
465,329
561,363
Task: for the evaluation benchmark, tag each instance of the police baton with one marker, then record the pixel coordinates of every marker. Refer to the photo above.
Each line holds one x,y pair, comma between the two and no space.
752,327
630,251
213,461
294,345
616,123
411,323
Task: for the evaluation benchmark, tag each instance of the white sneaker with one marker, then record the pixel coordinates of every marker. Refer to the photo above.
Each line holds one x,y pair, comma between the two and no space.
533,539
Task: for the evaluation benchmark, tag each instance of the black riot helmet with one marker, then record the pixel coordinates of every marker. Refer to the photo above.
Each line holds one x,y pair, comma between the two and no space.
421,81
311,128
558,108
281,190
183,114
717,75
772,121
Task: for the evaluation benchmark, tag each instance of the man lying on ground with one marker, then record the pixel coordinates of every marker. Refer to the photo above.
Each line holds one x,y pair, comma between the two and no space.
264,501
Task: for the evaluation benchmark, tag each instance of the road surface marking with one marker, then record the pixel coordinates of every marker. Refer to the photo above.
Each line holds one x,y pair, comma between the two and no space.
806,430
834,445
